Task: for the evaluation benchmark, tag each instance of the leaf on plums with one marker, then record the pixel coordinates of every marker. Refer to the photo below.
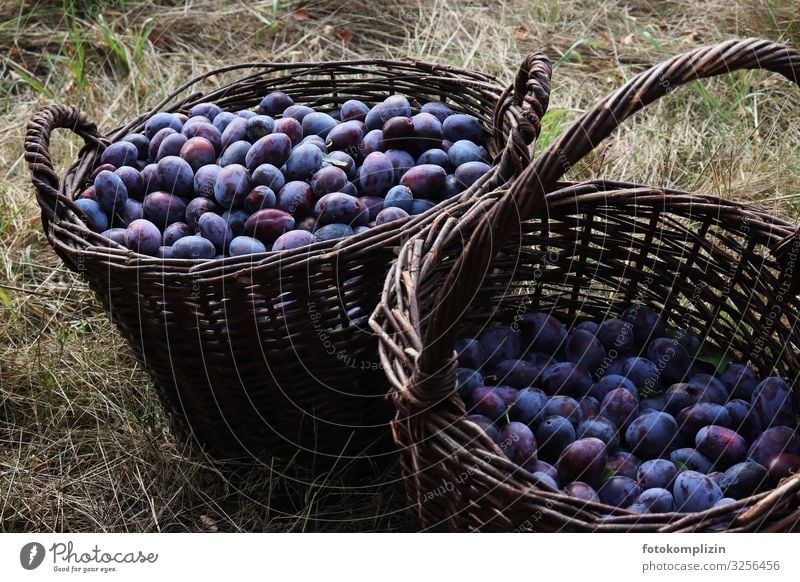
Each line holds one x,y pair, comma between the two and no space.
713,356
608,473
650,392
334,161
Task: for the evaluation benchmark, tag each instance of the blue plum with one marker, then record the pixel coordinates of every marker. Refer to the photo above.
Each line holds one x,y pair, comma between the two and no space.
529,406
468,380
376,174
463,151
214,228
204,180
564,406
470,353
354,109
583,460
95,217
425,181
655,500
646,323
327,180
771,400
518,442
232,186
134,183
692,418
259,198
469,173
160,121
438,109
581,490
487,402
773,441
274,103
620,407
162,209
142,236
258,126
622,463
656,473
566,378
590,406
690,459
608,383
617,335
714,389
553,435
694,491
267,225
273,149
119,154
744,419
293,239
462,126
601,428
303,162
583,348
740,380
500,343
110,191
516,373
390,215
268,175
651,435
318,123
679,396
743,480
619,491
175,176
671,358
175,231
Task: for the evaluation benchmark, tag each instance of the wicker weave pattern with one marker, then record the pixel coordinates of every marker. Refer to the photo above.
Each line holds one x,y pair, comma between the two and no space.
264,353
718,268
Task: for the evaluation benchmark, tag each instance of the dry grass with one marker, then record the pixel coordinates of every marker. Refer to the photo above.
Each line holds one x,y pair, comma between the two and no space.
83,443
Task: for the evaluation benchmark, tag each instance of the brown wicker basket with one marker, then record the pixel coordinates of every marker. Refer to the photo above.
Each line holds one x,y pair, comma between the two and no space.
721,269
264,353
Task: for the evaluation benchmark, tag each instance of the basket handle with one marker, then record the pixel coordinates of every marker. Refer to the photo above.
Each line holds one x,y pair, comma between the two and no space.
37,151
530,92
526,197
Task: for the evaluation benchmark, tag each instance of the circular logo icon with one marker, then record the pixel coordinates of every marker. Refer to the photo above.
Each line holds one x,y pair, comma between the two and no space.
31,555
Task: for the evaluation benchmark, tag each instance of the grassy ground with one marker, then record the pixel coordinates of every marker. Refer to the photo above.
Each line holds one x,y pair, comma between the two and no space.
83,443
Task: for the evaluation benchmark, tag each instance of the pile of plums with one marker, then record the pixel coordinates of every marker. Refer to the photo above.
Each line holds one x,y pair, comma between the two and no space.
214,183
622,412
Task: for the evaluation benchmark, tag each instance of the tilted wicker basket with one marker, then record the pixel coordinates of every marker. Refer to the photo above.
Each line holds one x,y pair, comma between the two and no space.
271,353
725,271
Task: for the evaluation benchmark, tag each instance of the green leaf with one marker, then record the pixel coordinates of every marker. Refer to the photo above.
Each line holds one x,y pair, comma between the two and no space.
4,298
334,161
27,78
714,356
608,473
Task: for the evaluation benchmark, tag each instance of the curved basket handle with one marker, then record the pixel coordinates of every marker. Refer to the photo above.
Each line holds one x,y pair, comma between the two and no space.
527,194
531,93
37,152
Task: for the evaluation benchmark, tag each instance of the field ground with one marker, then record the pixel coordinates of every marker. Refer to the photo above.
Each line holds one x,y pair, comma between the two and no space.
83,443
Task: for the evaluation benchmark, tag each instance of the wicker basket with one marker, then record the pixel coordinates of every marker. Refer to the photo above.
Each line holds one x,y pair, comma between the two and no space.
725,271
264,353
